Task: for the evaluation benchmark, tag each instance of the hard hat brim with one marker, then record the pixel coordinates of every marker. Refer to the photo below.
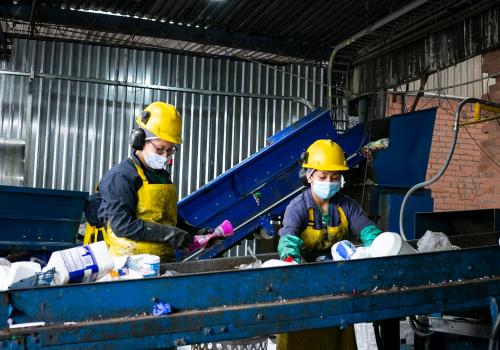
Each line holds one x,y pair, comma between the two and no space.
326,168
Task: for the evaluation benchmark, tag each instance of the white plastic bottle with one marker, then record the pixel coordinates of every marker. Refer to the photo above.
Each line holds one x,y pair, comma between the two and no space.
18,271
147,265
153,263
81,264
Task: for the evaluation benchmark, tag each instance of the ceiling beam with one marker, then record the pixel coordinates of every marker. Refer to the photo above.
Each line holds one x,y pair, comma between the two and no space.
157,29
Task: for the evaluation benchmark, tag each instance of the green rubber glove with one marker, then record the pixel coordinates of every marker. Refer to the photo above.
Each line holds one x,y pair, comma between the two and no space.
289,246
368,234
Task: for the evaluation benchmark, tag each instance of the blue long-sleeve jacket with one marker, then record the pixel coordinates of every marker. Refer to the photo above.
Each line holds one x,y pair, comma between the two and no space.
118,190
295,219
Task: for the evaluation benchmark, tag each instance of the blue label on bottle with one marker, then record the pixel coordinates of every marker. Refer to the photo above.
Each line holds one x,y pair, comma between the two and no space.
81,264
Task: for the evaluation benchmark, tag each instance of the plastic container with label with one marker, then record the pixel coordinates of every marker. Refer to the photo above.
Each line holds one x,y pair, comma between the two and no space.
81,264
147,265
343,250
153,263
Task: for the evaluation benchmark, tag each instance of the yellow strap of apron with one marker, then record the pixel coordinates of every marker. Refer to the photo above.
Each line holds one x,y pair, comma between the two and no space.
92,234
139,170
310,217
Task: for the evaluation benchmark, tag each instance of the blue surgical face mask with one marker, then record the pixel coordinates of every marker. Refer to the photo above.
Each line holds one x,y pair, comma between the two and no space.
155,161
324,189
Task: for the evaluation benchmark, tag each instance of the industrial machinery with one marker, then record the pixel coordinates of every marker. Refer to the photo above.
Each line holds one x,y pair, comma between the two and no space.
212,301
36,219
257,190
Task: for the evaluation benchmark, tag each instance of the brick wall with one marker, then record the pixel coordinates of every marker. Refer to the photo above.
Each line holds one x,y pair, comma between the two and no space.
489,194
472,180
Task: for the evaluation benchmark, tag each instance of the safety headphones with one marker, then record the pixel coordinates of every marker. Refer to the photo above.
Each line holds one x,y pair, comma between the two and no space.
137,138
302,171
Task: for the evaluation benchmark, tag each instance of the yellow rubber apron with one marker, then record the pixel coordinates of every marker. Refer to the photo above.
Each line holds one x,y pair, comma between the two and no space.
332,338
321,239
156,203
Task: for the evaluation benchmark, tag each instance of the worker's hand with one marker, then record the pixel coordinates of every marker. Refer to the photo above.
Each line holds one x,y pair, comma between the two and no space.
368,234
205,231
172,235
289,246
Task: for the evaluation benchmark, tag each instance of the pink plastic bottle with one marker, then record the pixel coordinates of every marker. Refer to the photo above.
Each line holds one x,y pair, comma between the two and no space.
223,230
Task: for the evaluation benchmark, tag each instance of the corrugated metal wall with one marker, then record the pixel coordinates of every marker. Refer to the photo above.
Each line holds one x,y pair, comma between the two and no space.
458,77
434,52
79,108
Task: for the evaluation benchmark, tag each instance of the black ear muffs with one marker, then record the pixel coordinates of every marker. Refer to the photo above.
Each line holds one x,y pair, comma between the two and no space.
303,177
137,138
302,171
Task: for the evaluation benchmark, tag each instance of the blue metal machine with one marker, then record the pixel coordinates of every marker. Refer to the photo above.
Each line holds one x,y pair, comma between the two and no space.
234,304
39,219
400,167
212,301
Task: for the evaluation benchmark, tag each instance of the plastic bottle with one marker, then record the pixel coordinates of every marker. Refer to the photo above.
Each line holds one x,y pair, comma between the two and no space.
81,264
153,263
20,270
343,250
161,308
147,265
388,244
223,230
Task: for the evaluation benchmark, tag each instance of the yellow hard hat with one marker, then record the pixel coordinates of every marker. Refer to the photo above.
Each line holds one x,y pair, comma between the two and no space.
325,155
163,120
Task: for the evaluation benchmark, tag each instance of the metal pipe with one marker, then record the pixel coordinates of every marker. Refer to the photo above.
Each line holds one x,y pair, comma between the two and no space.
493,342
362,33
446,163
428,94
300,100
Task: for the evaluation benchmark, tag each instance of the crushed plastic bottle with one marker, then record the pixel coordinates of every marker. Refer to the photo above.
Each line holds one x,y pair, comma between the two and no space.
161,308
343,250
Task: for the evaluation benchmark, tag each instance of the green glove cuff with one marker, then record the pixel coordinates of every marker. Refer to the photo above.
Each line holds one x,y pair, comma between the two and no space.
368,234
290,245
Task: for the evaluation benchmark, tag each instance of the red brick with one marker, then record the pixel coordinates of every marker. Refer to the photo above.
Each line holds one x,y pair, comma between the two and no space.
471,179
491,61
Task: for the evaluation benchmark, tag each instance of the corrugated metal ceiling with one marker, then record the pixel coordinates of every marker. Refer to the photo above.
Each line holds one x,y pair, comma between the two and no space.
306,29
290,31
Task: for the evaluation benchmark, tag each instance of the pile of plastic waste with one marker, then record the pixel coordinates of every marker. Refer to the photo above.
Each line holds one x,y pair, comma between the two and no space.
82,264
389,244
92,262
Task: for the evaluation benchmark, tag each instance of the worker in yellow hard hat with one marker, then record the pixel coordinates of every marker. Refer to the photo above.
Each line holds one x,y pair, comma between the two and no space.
313,222
138,201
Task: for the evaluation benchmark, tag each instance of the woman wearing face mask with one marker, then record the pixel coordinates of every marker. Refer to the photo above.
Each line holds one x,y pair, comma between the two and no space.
313,222
138,208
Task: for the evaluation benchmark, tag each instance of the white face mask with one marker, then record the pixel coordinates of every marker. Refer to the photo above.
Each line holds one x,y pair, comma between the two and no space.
155,161
324,189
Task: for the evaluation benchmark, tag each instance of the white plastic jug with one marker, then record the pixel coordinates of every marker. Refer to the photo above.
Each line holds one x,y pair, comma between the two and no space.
343,250
81,264
20,270
390,243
